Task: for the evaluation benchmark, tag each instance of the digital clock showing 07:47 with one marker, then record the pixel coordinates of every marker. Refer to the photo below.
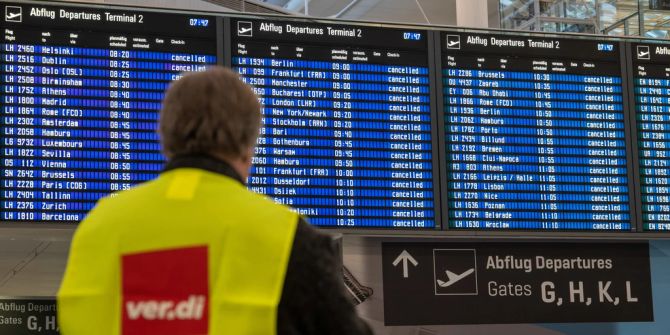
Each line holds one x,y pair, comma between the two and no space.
411,36
198,22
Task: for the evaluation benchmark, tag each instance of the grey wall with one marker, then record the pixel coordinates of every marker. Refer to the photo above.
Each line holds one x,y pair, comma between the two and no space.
494,13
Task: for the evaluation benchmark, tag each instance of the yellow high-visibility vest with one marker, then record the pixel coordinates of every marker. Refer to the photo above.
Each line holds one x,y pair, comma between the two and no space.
191,252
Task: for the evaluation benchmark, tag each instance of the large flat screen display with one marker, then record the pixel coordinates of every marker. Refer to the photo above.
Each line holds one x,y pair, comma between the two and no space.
81,90
347,136
364,125
651,78
535,133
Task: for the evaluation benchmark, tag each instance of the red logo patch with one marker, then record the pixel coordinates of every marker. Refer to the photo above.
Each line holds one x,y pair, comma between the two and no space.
165,292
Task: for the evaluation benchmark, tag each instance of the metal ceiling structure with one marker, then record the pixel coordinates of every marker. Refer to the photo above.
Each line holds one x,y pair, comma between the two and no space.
251,6
200,5
612,17
634,17
412,11
550,15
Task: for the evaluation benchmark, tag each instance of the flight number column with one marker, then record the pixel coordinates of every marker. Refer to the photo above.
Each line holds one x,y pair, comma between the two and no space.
652,97
21,101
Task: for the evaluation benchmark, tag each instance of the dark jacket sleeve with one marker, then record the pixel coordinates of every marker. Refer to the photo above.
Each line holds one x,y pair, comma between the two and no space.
313,300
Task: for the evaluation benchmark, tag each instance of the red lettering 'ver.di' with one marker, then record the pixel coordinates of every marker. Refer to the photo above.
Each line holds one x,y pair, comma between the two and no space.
165,292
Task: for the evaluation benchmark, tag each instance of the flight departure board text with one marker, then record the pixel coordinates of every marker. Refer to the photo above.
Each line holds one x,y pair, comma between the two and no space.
364,126
535,133
347,136
81,90
651,78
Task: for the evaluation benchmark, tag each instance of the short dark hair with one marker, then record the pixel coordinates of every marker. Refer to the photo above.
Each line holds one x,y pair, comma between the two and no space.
209,112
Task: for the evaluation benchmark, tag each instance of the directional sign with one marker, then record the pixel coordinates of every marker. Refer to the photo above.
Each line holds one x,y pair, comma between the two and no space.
28,316
405,257
478,283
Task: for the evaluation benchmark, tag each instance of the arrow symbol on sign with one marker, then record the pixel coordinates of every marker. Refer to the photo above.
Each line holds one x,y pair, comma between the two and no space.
405,257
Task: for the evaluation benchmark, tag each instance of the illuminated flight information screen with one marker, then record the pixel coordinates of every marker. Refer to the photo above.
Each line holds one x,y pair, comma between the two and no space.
81,89
535,134
347,120
651,77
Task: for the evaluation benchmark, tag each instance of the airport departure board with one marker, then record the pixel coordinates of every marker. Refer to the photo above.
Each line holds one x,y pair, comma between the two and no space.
347,120
364,126
651,77
81,90
535,133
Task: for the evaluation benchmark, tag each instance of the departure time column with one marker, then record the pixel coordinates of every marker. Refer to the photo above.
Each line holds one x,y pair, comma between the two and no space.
342,134
119,123
546,150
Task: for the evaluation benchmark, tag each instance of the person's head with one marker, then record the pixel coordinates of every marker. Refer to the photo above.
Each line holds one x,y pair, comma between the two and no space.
212,113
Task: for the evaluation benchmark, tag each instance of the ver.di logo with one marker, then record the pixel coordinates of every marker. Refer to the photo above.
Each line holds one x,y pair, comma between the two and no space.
165,292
